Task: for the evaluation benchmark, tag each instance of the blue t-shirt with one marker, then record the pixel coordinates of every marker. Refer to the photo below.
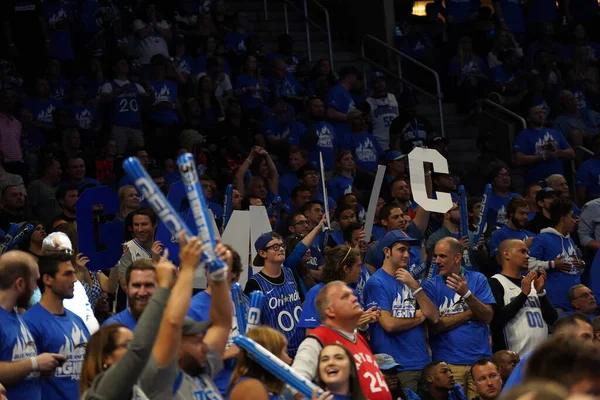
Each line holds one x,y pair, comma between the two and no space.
408,348
60,39
588,176
166,92
461,9
496,215
16,343
235,41
532,142
59,88
287,87
249,100
468,342
339,185
326,144
546,247
518,374
500,235
513,15
126,108
280,129
64,334
309,318
124,318
359,286
365,148
85,115
287,183
340,99
42,110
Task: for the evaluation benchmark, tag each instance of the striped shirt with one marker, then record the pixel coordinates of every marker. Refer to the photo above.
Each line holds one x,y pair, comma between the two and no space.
10,138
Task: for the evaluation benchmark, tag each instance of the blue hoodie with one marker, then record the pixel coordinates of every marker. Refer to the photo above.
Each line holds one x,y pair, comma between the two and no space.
548,245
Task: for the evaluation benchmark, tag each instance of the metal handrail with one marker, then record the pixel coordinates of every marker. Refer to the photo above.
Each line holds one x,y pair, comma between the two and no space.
505,111
437,96
308,21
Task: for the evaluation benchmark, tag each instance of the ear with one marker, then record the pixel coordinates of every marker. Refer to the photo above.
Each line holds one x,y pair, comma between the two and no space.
19,284
329,312
429,379
384,222
386,252
47,279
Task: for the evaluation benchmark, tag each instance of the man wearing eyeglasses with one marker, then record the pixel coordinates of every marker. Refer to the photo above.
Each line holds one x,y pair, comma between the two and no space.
283,303
299,225
501,195
583,301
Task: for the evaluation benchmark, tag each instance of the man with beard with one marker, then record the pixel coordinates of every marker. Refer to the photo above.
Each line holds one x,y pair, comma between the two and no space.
140,279
56,329
522,312
20,365
488,381
67,196
187,356
517,213
440,384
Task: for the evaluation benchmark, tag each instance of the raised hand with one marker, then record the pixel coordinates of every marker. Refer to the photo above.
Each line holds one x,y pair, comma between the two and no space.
405,277
190,252
81,260
526,282
156,249
458,284
540,282
165,271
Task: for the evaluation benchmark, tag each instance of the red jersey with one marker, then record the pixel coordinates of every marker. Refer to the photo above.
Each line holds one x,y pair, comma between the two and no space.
371,378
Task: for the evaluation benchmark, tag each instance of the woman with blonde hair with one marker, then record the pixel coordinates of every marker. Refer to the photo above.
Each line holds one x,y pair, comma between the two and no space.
129,200
250,381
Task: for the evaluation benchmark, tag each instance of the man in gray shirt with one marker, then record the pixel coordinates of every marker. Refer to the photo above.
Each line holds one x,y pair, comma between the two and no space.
41,193
186,358
589,225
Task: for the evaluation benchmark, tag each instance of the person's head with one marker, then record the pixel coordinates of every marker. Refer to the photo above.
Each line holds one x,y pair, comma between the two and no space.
18,277
349,77
269,249
236,200
128,198
251,64
143,156
205,85
337,372
561,215
51,170
316,108
396,246
76,168
336,302
35,238
568,102
57,275
545,197
279,68
246,366
452,216
357,120
208,185
240,19
345,215
257,187
140,279
396,162
299,196
517,212
313,211
573,363
559,184
575,327
448,256
438,375
391,217
308,176
13,198
7,100
349,199
444,182
539,389
487,379
42,87
400,189
536,116
389,368
514,254
506,360
500,178
104,349
342,263
352,234
473,208
582,299
344,161
379,84
142,224
71,139
297,158
530,193
67,196
298,223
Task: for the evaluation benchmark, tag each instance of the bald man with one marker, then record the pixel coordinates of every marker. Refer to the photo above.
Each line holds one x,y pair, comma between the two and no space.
20,365
522,312
506,360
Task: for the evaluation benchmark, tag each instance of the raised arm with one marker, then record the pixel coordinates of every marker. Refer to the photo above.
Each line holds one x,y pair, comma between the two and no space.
168,342
273,174
241,172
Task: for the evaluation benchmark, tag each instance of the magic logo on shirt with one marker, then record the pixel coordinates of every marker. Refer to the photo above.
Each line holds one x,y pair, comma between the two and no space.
325,137
543,144
24,347
74,352
84,118
501,216
163,95
404,305
366,151
46,115
452,306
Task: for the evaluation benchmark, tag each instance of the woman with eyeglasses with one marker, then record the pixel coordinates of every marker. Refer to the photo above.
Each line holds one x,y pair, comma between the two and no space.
342,263
337,374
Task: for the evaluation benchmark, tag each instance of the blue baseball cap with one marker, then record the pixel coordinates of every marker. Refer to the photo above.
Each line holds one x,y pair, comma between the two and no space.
377,75
260,244
386,362
393,155
396,236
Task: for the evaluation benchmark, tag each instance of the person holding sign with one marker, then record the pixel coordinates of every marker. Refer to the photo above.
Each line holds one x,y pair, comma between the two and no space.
404,308
283,303
464,301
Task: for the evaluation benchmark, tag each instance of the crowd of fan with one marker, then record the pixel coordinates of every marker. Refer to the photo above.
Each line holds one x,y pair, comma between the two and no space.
420,309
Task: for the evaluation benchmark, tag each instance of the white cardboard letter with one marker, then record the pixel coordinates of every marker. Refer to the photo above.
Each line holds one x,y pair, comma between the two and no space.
416,158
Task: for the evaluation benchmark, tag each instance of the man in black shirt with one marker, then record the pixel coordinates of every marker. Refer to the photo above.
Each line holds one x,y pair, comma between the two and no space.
13,206
522,312
541,220
67,196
